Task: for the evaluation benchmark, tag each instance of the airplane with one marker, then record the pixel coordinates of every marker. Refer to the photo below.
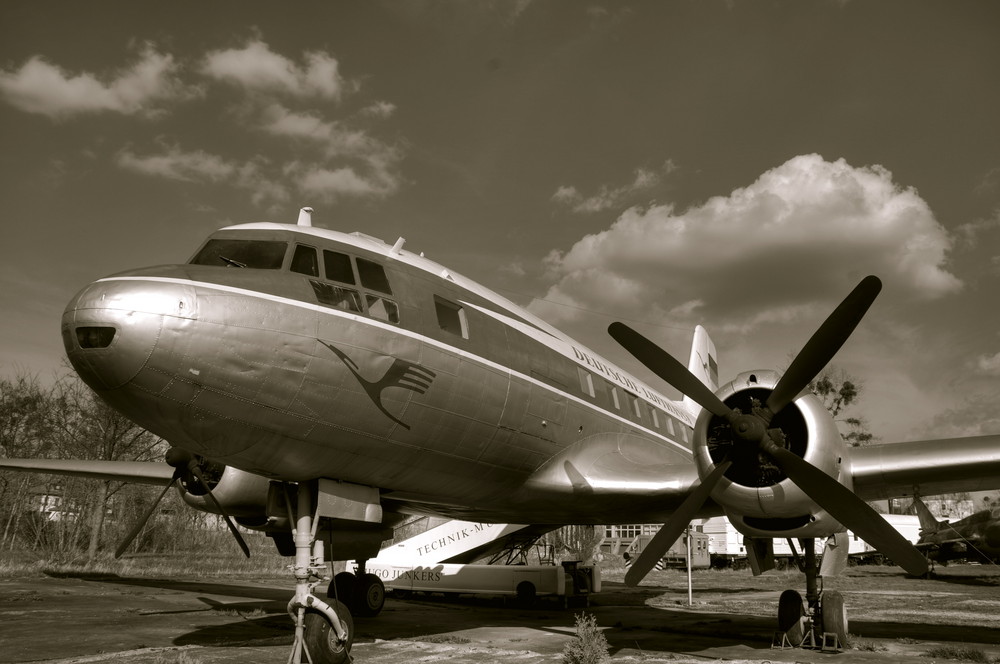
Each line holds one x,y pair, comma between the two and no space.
975,538
320,386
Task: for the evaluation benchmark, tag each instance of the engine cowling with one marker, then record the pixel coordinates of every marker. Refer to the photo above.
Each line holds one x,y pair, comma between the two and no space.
756,495
242,494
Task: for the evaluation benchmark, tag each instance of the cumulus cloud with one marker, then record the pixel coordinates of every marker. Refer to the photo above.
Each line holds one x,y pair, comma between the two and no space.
198,166
47,89
989,364
175,164
977,416
256,67
285,99
803,234
327,184
608,197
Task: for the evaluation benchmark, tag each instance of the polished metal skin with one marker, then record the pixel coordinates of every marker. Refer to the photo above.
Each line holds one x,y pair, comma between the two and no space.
446,397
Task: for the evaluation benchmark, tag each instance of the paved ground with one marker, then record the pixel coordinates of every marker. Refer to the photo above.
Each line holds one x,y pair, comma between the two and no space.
109,619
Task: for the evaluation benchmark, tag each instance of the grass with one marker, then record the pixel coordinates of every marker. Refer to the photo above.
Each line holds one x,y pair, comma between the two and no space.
261,565
960,653
443,638
866,645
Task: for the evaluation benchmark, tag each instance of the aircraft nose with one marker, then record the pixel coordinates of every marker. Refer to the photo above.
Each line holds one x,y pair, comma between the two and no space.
111,327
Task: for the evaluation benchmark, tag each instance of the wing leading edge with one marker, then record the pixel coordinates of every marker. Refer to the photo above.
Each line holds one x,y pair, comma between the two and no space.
140,472
926,467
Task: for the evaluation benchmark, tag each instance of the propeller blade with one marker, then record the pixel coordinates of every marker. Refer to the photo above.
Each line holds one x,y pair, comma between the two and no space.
672,529
142,522
666,367
824,343
196,471
844,506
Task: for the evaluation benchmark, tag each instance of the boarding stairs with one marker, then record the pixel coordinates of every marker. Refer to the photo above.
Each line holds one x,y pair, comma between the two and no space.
463,542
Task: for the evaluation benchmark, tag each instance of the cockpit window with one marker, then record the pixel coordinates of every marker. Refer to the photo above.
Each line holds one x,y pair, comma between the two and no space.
338,267
373,276
304,261
256,254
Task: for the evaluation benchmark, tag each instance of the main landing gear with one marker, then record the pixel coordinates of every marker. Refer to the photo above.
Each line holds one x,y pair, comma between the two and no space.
324,631
819,623
363,593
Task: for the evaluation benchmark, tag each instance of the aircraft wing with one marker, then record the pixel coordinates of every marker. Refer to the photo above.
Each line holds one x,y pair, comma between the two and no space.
926,467
141,472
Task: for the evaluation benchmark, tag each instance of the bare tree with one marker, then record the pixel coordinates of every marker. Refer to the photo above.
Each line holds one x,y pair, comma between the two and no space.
87,428
25,431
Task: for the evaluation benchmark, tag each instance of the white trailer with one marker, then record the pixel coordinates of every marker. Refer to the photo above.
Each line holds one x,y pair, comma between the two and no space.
725,543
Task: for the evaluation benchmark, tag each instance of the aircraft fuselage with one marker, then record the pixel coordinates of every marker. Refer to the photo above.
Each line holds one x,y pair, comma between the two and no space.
297,353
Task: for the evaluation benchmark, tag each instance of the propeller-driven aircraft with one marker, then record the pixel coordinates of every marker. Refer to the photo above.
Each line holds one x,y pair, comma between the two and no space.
319,386
975,538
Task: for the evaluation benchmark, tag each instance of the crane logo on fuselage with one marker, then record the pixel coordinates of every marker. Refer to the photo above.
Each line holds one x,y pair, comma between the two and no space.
401,373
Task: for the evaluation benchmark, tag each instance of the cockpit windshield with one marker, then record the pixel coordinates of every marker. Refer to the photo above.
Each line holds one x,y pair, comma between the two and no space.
256,254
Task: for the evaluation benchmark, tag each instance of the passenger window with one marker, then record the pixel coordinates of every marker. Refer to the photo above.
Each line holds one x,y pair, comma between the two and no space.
338,267
614,396
337,296
373,276
656,417
635,407
451,317
383,309
304,261
586,381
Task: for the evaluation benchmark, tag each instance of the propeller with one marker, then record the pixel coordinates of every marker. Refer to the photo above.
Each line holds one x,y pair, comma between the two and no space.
752,429
186,466
668,534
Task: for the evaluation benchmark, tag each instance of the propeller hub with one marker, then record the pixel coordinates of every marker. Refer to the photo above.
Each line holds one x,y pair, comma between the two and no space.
749,428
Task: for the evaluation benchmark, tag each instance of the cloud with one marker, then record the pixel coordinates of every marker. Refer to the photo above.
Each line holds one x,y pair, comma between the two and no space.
175,164
379,110
199,166
46,89
331,184
989,364
609,197
256,67
977,416
802,235
336,155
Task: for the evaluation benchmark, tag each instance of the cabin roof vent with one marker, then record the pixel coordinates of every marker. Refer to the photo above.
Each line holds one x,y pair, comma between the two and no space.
305,217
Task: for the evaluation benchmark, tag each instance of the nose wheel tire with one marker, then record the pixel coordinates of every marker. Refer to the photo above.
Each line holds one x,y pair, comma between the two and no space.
321,640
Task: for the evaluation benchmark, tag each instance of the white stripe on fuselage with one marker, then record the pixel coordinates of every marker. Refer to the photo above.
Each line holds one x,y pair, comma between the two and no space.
418,337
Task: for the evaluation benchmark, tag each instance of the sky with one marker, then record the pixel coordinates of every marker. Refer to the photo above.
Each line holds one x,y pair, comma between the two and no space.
740,165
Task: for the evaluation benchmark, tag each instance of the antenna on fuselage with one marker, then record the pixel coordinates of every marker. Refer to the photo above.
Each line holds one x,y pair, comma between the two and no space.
305,217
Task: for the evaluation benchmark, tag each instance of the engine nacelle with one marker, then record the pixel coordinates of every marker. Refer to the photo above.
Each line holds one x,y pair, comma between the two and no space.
242,494
758,498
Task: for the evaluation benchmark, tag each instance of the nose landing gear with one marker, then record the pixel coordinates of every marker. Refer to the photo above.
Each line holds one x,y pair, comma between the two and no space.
324,632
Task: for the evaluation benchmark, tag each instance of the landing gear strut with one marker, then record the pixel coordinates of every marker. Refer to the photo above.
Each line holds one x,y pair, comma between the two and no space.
324,631
823,614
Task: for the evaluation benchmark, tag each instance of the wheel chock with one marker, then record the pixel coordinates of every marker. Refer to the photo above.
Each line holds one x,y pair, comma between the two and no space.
780,641
831,642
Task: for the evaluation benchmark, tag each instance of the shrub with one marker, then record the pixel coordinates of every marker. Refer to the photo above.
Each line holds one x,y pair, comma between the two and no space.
589,646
